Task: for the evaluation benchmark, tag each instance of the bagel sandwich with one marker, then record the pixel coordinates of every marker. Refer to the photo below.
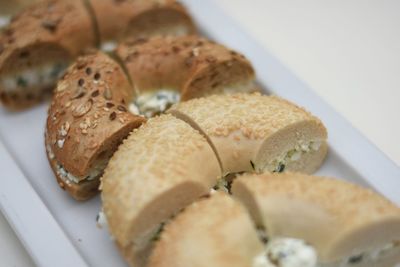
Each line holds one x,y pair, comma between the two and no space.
38,46
87,120
165,70
158,170
283,220
345,224
257,133
118,20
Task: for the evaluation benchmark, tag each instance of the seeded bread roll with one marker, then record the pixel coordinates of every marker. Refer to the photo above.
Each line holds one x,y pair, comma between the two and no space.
188,66
213,232
87,121
252,132
37,46
161,168
140,18
348,225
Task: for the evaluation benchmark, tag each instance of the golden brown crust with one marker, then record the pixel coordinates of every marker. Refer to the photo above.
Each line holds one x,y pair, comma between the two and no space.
159,169
140,18
337,217
88,117
213,232
190,65
45,32
249,130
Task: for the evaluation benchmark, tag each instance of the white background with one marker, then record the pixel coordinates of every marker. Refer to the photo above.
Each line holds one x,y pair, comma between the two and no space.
347,51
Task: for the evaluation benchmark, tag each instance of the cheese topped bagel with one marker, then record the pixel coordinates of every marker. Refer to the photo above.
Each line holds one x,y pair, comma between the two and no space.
253,132
159,169
117,20
87,120
347,225
301,221
164,70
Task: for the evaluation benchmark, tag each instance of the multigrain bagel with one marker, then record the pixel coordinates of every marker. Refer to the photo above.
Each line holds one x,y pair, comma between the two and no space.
252,132
161,167
185,67
117,20
87,120
159,160
301,221
78,86
37,46
41,41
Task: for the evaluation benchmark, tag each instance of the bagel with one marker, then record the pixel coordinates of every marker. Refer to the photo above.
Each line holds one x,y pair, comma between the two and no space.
346,224
252,132
86,122
37,46
117,20
43,40
213,232
308,221
160,168
186,67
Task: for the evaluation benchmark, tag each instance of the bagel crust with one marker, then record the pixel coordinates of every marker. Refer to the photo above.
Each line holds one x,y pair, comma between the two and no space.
341,220
87,120
140,18
253,132
46,35
158,170
189,65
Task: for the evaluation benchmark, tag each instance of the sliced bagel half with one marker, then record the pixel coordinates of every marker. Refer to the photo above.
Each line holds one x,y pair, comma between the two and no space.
118,20
87,120
213,232
38,46
346,224
165,70
158,170
253,132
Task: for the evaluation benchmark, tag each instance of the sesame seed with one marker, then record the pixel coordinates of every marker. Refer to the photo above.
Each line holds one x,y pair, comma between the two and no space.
97,76
113,116
81,82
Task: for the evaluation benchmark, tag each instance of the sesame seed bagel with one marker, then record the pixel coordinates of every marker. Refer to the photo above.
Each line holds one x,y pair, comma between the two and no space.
87,120
37,46
190,66
213,232
341,220
140,18
253,132
158,170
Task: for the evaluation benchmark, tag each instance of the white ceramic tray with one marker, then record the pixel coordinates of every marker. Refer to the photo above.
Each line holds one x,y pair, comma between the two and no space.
58,231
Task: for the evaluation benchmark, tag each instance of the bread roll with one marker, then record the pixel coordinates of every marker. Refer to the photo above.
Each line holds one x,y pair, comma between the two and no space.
346,224
184,67
252,132
160,169
37,46
87,121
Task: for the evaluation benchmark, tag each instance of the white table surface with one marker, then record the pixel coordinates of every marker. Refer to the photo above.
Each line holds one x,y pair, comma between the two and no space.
347,51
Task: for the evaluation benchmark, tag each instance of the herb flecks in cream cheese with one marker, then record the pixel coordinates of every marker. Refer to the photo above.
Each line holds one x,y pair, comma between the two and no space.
286,252
279,164
154,103
45,75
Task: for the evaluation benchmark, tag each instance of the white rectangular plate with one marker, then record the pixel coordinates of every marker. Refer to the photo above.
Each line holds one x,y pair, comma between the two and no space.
58,231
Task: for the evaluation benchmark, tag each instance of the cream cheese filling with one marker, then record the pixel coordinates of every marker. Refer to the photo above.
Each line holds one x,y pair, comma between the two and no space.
279,164
153,103
290,252
45,75
4,21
